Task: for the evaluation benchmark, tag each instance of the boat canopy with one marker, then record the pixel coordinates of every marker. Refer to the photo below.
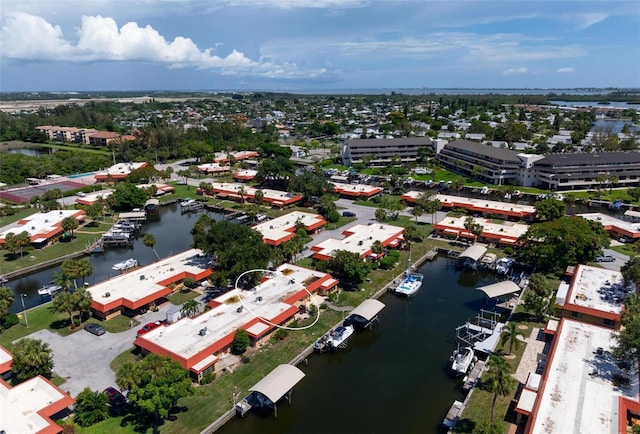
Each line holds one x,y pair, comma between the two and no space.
278,382
474,252
499,289
368,309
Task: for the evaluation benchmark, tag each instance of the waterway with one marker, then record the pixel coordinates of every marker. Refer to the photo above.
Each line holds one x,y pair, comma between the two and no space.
170,227
394,378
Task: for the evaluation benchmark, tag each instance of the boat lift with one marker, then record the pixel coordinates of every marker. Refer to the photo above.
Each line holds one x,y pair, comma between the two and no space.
481,335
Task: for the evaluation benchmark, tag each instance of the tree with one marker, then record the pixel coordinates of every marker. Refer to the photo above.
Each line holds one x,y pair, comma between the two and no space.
190,308
64,303
6,300
127,196
474,228
150,241
82,301
31,357
536,305
498,380
553,245
628,345
240,342
349,267
431,207
17,242
377,247
242,192
327,205
258,196
510,335
549,209
84,269
381,214
70,224
631,270
417,211
154,386
538,284
91,407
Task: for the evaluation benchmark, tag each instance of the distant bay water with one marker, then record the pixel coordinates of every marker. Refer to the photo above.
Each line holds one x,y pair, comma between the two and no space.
430,91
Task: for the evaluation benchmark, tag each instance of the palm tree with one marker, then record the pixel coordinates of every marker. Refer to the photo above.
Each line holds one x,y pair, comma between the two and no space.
258,197
82,301
84,269
417,211
71,268
128,376
31,357
510,335
64,303
62,279
69,224
498,380
190,308
6,299
91,407
150,241
241,192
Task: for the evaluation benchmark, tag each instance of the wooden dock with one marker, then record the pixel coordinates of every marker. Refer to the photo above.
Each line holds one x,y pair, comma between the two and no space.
472,379
431,254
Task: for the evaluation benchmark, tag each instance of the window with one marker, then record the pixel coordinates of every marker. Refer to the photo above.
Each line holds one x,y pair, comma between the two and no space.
577,314
609,322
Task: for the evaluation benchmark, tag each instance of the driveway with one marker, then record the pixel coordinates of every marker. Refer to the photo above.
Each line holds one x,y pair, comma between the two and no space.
84,360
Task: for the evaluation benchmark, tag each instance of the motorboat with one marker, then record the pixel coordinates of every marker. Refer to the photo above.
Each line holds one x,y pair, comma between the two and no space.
462,361
338,337
410,284
125,265
504,265
49,289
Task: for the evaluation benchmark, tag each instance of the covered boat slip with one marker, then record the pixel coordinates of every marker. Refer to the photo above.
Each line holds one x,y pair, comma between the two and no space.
366,313
499,289
474,252
268,391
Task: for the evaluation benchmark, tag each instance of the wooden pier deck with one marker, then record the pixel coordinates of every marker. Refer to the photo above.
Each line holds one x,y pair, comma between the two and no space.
431,254
474,376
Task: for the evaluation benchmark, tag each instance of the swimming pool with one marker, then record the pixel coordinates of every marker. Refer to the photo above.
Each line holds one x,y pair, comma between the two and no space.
81,175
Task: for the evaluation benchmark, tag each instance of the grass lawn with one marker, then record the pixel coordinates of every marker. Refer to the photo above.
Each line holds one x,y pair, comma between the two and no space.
7,220
180,297
39,318
131,355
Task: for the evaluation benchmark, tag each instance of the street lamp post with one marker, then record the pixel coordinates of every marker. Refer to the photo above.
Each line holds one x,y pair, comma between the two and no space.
24,310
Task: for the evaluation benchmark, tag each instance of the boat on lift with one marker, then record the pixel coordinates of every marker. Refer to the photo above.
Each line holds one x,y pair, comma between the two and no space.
125,265
462,361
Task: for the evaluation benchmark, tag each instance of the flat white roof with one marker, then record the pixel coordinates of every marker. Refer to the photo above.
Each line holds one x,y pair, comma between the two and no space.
142,282
183,338
506,229
41,224
20,405
361,189
213,167
5,357
578,394
121,169
232,188
597,288
360,238
615,223
533,381
527,400
282,226
91,198
506,207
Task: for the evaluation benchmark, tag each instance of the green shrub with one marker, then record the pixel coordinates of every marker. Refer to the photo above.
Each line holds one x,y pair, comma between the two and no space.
245,359
323,306
8,321
207,379
333,217
281,334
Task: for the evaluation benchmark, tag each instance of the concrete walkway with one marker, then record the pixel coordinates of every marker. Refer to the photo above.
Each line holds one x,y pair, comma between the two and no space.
529,362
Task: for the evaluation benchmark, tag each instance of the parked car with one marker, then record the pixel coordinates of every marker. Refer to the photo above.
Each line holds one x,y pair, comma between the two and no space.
81,194
95,329
148,327
605,258
348,214
116,399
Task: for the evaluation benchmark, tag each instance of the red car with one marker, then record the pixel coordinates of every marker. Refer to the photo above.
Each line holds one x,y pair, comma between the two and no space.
116,399
148,327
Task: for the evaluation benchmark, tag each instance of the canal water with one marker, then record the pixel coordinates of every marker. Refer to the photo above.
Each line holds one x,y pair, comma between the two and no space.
394,378
170,227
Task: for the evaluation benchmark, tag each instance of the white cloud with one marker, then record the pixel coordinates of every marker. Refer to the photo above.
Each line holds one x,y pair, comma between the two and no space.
521,70
29,37
298,4
565,70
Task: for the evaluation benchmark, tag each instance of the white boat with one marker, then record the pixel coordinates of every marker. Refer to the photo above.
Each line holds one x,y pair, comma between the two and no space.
462,361
49,289
125,265
339,336
504,265
410,284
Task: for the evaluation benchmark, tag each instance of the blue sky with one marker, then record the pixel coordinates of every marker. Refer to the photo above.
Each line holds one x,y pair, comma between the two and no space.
82,45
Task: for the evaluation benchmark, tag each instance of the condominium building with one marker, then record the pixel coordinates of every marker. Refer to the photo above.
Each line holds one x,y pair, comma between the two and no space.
383,151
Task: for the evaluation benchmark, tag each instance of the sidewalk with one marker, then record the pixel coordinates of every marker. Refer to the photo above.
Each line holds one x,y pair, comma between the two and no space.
529,362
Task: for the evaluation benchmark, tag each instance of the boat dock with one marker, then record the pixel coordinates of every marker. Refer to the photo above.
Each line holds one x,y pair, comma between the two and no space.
471,380
431,254
453,415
